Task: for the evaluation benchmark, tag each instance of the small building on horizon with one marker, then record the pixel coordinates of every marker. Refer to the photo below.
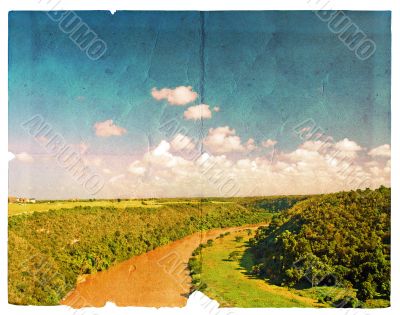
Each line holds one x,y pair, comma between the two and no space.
12,199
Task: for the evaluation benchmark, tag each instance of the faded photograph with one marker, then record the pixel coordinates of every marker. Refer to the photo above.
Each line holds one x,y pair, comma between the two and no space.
240,156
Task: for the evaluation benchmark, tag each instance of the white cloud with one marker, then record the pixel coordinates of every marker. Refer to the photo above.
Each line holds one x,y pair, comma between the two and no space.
269,143
381,151
162,148
216,109
197,112
347,148
299,171
182,142
161,158
179,96
317,145
388,167
107,128
137,168
304,170
24,157
246,164
223,140
250,144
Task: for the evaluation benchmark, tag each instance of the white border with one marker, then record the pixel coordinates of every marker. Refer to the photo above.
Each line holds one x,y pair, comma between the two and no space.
200,5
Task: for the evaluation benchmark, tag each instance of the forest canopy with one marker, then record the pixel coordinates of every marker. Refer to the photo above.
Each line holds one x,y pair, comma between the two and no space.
334,239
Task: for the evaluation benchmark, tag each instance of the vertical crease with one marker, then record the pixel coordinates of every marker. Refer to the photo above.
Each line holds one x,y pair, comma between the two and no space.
201,91
202,70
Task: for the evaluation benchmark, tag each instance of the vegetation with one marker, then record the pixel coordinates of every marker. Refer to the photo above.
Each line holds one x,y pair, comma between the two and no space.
325,250
228,279
41,206
238,238
335,240
234,255
273,203
195,266
49,251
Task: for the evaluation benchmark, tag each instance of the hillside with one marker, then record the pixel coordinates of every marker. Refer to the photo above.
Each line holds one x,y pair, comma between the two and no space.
49,251
340,239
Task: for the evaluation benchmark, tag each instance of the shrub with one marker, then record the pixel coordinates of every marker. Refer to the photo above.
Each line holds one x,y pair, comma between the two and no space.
235,255
238,238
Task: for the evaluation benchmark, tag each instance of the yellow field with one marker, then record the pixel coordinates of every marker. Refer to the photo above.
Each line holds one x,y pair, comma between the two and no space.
19,208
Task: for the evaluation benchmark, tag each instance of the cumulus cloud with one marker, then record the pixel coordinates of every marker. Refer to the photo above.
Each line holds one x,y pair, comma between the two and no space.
269,143
303,170
159,162
381,151
317,145
198,112
307,169
250,144
224,140
24,157
162,148
347,147
178,96
137,168
181,142
107,129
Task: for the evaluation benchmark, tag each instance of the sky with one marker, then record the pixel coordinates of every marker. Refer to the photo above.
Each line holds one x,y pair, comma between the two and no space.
197,104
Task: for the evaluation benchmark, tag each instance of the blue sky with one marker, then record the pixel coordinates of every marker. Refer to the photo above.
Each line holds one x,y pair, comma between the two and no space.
263,73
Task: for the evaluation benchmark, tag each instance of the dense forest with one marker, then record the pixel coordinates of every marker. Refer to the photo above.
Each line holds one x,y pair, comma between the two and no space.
48,251
272,204
340,239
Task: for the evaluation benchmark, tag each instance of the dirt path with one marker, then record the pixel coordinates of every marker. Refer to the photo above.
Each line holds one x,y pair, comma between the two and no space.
156,278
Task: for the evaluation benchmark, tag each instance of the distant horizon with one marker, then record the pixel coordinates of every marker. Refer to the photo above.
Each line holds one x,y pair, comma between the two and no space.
196,197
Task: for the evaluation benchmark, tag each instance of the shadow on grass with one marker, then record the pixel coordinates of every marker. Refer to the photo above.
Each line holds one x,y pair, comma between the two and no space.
246,263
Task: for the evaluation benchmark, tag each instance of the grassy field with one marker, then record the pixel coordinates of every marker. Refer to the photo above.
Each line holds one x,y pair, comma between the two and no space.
20,208
229,283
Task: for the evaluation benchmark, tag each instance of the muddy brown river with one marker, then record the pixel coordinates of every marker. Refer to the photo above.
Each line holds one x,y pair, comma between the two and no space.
157,278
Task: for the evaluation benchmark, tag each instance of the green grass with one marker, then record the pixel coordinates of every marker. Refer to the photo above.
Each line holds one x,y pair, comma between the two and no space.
229,283
376,303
